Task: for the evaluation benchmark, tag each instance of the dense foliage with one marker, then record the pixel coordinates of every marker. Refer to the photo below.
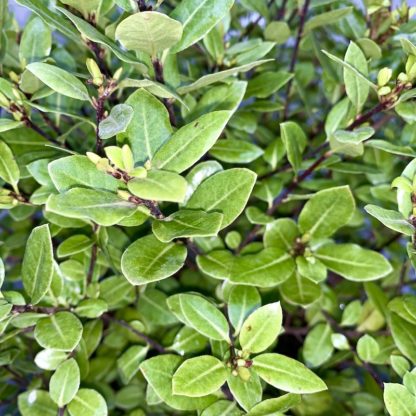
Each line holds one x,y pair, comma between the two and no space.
208,207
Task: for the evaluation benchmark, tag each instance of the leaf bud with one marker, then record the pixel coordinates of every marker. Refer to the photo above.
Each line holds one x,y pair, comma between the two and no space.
94,70
384,76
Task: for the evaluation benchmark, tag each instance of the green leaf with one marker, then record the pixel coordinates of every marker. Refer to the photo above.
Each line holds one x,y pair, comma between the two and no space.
148,260
102,207
65,174
199,376
405,307
93,34
404,336
6,124
200,314
187,340
2,272
59,80
267,83
88,402
9,170
117,121
226,192
36,403
61,331
158,371
37,266
287,374
219,76
217,264
198,18
187,145
149,32
327,18
270,267
149,127
50,359
398,400
73,245
153,307
91,308
187,223
391,148
391,219
222,407
294,140
86,7
278,32
64,383
357,89
326,212
159,185
318,348
261,328
281,233
36,41
367,348
129,362
300,290
242,301
247,393
272,406
235,151
354,262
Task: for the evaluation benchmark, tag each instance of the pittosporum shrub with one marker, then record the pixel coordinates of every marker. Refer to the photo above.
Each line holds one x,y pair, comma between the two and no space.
208,208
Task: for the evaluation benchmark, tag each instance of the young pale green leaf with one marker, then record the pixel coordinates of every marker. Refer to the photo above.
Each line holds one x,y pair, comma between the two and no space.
405,307
226,192
219,76
261,328
59,80
222,407
268,268
7,124
64,383
235,151
198,18
159,185
318,348
294,140
287,374
36,41
149,127
326,212
37,266
356,136
129,362
356,89
91,308
311,268
102,207
200,314
242,301
148,260
65,174
199,376
88,402
158,372
247,393
367,348
398,400
187,223
117,121
276,406
61,331
191,142
49,359
9,170
354,262
149,32
391,219
36,403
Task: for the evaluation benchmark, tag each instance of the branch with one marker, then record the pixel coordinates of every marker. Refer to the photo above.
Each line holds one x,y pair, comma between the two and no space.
303,13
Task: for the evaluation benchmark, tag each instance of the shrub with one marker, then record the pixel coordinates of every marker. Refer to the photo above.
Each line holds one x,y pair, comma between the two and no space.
208,208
